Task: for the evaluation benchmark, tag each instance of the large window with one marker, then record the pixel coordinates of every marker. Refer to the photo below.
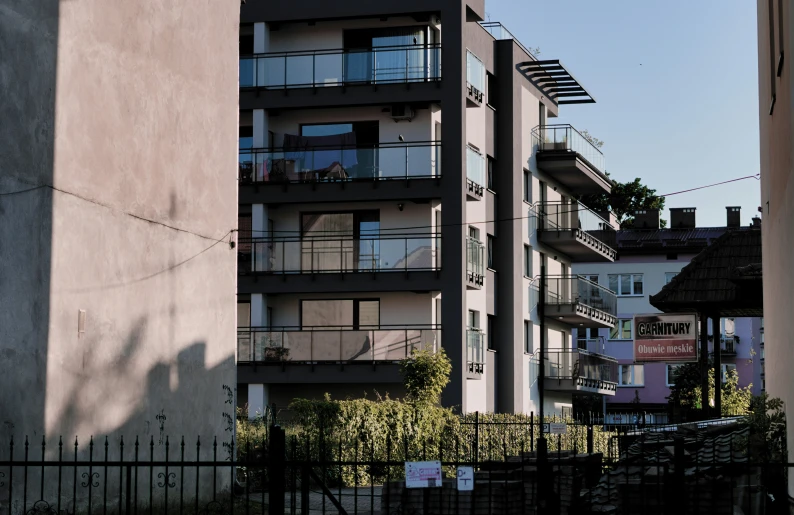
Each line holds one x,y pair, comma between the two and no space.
489,336
670,374
626,284
398,54
489,242
489,171
632,375
527,261
345,313
527,336
527,186
622,330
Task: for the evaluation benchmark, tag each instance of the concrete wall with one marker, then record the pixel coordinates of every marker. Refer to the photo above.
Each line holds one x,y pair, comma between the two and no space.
129,110
777,199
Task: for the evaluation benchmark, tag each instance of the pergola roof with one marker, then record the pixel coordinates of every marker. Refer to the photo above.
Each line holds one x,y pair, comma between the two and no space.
723,280
551,77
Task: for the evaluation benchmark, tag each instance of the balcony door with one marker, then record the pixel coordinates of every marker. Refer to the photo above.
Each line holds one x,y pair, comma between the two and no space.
340,242
342,329
394,54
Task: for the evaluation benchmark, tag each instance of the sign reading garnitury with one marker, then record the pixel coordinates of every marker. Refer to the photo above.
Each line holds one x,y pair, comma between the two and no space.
668,338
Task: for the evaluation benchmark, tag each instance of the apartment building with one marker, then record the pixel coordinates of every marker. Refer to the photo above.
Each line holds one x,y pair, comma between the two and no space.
401,186
650,257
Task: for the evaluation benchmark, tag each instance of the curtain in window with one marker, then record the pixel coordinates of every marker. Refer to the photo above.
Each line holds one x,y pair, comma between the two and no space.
327,242
399,64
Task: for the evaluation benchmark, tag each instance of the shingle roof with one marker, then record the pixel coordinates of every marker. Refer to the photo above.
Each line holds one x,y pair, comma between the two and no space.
632,241
708,283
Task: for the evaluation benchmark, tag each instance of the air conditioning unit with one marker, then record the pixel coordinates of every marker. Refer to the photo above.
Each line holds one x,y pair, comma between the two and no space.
402,112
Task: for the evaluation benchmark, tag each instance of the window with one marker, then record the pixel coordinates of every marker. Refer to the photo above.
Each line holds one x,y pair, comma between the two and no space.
622,330
493,90
474,233
631,375
668,276
527,261
527,186
728,367
489,249
671,372
489,336
344,313
489,163
475,72
587,339
626,284
527,336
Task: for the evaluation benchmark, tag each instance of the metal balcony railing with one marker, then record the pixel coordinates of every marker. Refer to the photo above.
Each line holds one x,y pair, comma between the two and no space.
728,344
475,261
333,254
475,350
339,67
386,161
562,138
565,290
334,344
581,364
558,216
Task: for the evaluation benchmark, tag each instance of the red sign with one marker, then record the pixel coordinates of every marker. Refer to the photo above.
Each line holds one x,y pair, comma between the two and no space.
667,338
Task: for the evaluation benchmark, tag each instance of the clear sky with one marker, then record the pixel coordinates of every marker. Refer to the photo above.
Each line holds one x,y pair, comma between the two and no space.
676,85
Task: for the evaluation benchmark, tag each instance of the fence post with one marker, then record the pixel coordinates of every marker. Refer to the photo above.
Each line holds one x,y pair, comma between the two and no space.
476,437
590,438
276,469
128,488
678,478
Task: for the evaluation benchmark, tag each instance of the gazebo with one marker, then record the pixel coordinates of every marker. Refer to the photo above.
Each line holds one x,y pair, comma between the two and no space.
724,280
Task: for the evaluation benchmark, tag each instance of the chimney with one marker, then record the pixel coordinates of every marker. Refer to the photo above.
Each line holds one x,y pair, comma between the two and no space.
682,217
646,219
756,221
734,216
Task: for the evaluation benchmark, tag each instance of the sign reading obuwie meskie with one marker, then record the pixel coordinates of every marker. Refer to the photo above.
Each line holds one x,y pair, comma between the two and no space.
671,338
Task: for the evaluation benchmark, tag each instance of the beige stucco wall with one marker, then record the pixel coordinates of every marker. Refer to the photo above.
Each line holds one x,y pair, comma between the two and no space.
141,134
777,202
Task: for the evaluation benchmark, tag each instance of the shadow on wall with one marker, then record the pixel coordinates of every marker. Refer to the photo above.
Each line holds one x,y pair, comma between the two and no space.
29,39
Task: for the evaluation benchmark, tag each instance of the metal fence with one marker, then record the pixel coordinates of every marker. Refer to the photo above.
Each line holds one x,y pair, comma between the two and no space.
715,469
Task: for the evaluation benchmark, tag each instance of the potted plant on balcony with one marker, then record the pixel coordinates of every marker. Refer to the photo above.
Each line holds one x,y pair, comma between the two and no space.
271,350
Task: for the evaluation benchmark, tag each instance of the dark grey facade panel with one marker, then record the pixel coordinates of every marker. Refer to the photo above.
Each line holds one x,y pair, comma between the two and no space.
299,373
419,190
420,281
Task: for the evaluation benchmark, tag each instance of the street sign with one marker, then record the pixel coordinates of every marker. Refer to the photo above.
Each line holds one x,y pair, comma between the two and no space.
422,474
558,429
671,338
545,427
465,479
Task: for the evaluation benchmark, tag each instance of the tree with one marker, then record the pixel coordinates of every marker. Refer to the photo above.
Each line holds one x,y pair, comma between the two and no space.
686,391
624,200
425,374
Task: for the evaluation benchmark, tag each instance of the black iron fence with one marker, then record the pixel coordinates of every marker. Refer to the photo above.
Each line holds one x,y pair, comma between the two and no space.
713,469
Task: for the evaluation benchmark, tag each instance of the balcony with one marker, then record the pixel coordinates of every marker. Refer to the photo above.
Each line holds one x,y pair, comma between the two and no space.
475,353
475,174
475,264
575,230
580,371
728,345
318,354
389,171
571,159
576,301
318,71
335,264
475,80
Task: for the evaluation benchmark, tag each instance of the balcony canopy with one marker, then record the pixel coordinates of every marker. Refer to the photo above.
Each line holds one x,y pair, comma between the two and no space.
551,77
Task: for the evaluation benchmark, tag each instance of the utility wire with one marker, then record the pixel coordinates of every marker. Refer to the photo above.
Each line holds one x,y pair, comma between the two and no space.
531,206
133,215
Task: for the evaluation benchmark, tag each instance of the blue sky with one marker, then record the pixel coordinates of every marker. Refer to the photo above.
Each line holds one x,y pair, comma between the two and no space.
676,84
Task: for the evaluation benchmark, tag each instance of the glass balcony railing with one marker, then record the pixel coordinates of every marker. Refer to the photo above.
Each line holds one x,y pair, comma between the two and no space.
334,344
475,170
580,364
339,67
565,290
499,32
323,254
475,261
558,216
475,350
475,72
564,138
387,161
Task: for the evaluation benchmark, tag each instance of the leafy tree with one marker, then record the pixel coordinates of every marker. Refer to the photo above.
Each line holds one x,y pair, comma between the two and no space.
624,200
686,391
425,374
